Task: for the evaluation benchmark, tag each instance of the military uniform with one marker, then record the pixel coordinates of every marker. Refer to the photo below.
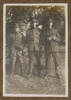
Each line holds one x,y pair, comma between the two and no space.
33,50
54,40
17,51
36,40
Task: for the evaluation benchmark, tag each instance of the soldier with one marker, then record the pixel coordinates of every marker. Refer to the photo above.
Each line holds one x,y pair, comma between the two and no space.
36,40
18,46
33,49
54,39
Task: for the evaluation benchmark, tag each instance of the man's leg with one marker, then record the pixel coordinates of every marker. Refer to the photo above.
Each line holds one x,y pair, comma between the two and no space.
13,63
22,67
56,63
37,56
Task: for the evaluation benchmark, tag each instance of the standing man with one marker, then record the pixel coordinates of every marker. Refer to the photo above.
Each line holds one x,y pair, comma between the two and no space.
54,39
36,40
17,47
33,48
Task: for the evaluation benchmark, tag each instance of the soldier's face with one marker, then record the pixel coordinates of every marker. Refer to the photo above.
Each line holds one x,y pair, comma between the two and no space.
25,26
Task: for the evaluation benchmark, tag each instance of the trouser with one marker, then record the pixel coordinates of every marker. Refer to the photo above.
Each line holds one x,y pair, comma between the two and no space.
16,54
49,50
54,55
54,47
38,67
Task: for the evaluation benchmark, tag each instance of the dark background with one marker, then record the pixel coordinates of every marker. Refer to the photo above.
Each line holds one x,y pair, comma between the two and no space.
1,47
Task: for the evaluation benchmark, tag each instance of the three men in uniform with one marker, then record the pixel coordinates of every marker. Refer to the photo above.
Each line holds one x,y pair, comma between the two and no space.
31,38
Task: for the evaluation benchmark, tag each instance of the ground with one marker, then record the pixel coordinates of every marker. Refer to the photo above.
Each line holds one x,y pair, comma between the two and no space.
34,85
16,84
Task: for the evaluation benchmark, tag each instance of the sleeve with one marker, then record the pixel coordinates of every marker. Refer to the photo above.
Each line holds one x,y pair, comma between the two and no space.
56,36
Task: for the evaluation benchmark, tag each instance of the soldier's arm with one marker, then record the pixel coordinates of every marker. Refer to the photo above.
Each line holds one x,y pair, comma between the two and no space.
58,37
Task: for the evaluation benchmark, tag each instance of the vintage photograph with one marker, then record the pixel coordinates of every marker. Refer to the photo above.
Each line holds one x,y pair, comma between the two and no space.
35,50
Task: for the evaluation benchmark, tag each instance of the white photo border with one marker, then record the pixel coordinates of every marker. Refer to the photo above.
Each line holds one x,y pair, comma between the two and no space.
4,48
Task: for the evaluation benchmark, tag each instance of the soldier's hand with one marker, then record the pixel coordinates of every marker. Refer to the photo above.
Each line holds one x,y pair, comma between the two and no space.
54,38
50,38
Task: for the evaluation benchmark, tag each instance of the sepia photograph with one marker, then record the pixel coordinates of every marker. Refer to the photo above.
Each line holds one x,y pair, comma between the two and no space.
35,50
